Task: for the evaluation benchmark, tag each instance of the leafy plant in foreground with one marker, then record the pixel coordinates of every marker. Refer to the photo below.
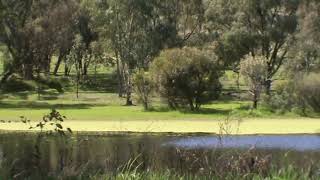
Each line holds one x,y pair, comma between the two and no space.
51,122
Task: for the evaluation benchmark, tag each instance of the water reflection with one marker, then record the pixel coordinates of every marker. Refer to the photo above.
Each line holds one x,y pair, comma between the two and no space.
1,156
92,154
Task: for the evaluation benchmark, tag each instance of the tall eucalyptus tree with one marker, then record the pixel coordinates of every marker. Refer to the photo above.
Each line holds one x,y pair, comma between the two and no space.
139,29
31,29
261,27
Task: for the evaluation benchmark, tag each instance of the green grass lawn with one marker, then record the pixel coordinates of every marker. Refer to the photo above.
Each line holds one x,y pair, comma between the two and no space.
100,109
117,118
104,112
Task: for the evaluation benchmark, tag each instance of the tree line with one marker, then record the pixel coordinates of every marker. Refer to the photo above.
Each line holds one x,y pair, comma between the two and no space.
180,48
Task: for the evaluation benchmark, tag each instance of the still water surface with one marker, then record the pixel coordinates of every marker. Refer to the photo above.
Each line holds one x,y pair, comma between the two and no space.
106,153
281,142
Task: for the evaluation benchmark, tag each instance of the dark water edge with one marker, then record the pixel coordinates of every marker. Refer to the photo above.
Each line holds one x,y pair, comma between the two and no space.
182,154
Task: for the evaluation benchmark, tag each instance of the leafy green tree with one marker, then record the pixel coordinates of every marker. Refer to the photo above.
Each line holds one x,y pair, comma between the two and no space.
220,15
254,69
308,90
138,30
262,27
187,77
30,29
78,54
144,87
13,20
306,52
86,27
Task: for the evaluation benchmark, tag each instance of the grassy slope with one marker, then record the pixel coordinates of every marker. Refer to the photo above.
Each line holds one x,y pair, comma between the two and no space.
99,111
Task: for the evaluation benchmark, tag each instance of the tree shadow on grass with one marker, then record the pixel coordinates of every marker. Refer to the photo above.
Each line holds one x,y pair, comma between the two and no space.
160,109
208,111
101,83
19,95
43,105
312,115
44,95
49,95
187,111
48,98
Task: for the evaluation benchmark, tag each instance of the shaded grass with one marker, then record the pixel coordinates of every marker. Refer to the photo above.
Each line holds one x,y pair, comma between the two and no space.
100,109
105,112
101,106
42,105
101,83
104,118
287,173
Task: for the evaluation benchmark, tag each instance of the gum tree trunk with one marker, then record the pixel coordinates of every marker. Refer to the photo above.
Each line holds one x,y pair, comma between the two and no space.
56,68
129,91
255,100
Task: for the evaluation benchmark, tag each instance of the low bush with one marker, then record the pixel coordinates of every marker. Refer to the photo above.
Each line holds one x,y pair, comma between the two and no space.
283,99
15,83
143,87
187,77
308,91
298,94
254,70
50,83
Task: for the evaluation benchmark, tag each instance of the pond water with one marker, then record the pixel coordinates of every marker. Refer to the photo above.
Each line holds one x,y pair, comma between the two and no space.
282,142
106,153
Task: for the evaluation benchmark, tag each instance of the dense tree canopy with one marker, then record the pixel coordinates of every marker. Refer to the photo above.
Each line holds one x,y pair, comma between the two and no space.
138,30
43,36
31,31
264,28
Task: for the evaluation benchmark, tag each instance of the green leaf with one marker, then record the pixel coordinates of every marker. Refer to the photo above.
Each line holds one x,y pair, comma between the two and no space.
69,130
59,126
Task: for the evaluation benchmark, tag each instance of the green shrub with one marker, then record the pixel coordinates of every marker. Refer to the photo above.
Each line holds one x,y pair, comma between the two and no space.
299,94
143,86
283,98
308,91
186,77
16,84
50,83
254,70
